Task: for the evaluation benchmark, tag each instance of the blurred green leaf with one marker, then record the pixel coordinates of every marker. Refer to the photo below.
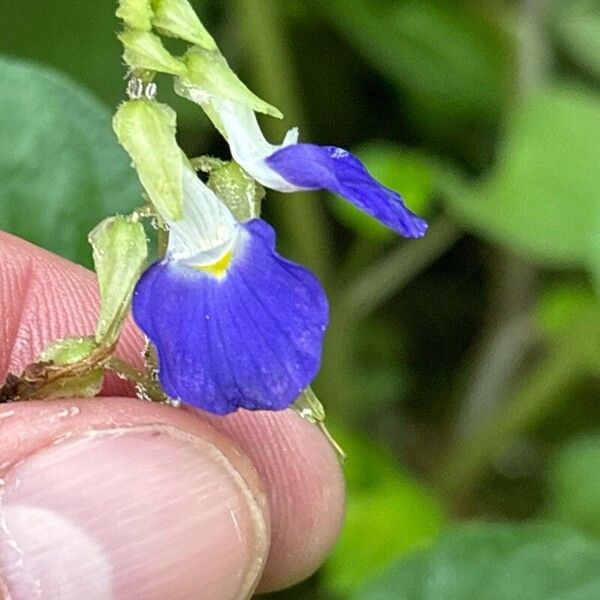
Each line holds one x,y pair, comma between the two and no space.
78,38
574,483
451,62
577,25
387,514
563,308
594,254
61,167
542,197
561,304
407,172
376,375
496,562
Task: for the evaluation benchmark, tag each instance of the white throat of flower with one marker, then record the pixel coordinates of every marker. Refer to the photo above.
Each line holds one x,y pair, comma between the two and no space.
207,233
248,145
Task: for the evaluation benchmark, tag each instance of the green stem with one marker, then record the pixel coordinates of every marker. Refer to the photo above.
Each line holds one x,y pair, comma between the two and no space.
150,387
380,281
301,221
505,339
535,51
163,242
497,357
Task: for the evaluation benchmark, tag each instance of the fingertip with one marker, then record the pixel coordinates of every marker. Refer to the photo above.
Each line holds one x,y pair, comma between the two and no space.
44,297
105,496
304,485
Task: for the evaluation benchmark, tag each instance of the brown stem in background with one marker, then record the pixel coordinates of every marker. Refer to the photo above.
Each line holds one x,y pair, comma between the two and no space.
491,416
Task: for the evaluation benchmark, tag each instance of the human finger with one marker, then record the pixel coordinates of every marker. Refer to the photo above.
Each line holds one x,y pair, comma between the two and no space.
301,474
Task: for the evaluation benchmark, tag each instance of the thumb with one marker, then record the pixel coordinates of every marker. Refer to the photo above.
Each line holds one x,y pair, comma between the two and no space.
116,499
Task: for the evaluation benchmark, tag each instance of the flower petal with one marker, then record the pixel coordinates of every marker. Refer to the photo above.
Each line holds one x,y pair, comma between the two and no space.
312,167
251,338
248,145
207,225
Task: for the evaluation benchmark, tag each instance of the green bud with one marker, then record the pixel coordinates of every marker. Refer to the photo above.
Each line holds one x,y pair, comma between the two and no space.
146,129
120,253
145,51
209,75
66,352
237,190
176,18
136,14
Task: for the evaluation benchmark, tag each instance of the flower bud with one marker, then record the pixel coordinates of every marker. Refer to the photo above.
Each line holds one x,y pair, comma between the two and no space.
145,51
176,18
146,129
120,252
136,14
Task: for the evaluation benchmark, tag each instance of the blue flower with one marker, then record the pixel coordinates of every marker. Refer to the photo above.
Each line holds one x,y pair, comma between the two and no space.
234,324
292,167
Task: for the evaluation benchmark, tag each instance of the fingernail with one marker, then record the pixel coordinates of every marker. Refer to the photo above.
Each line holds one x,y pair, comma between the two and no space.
145,512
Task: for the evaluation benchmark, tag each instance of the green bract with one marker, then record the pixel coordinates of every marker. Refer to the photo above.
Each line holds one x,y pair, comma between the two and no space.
209,77
176,18
120,253
66,352
145,51
146,129
308,406
240,193
136,14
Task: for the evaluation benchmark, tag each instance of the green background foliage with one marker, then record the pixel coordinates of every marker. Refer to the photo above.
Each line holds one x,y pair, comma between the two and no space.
461,371
496,562
61,168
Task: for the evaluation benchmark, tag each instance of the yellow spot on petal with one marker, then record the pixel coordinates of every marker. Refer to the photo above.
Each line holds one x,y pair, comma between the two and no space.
218,268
